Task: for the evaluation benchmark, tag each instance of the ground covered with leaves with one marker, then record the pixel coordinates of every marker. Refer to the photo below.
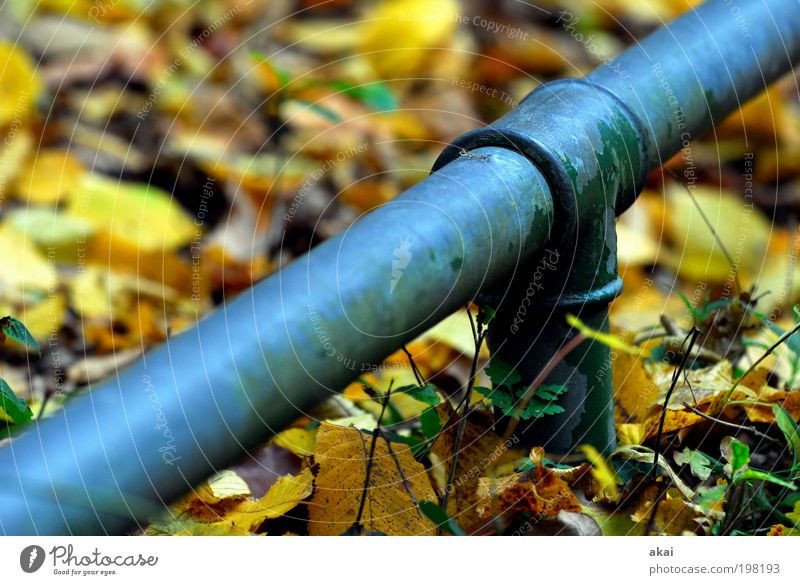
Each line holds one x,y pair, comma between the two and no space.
159,159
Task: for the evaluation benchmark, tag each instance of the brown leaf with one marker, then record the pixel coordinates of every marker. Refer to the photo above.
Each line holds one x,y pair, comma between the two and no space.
539,492
481,450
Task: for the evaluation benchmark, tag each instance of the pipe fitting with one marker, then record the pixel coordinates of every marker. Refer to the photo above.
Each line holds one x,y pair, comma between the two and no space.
586,141
590,148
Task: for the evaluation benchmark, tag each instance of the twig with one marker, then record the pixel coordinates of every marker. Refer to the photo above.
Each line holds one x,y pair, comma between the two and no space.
478,335
417,374
692,337
370,460
539,380
406,483
733,425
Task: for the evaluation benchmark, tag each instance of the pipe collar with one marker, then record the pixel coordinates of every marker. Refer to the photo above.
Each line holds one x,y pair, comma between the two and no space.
587,143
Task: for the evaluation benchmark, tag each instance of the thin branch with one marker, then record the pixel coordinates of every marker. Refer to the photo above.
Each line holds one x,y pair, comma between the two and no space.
370,460
417,374
478,335
733,425
406,483
692,337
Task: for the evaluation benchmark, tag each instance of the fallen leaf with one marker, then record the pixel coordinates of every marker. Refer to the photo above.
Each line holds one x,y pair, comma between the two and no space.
481,450
398,37
19,85
139,214
538,492
49,178
634,390
299,441
341,460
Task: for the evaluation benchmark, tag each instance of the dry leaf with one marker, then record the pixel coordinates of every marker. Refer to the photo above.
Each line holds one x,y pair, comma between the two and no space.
481,450
341,456
539,492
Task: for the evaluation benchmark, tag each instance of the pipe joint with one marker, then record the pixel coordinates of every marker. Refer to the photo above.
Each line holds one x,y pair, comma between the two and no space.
585,140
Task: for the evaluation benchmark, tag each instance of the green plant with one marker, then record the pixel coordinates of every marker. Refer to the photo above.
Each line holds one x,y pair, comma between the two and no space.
11,405
507,393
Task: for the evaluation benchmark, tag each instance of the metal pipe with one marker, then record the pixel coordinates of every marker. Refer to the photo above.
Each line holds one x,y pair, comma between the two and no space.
198,402
570,156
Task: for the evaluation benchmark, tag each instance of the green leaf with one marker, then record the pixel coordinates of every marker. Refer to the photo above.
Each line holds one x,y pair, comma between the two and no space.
14,406
18,332
790,430
377,95
438,516
764,476
431,423
737,454
501,398
427,393
541,404
689,307
502,374
711,497
698,463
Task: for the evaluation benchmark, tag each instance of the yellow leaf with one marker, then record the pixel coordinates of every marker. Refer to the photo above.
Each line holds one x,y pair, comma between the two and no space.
674,420
673,517
226,484
110,253
45,318
611,341
341,454
25,269
19,85
61,237
50,177
630,433
399,36
139,214
299,441
455,332
284,495
696,254
220,507
15,148
602,472
634,390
